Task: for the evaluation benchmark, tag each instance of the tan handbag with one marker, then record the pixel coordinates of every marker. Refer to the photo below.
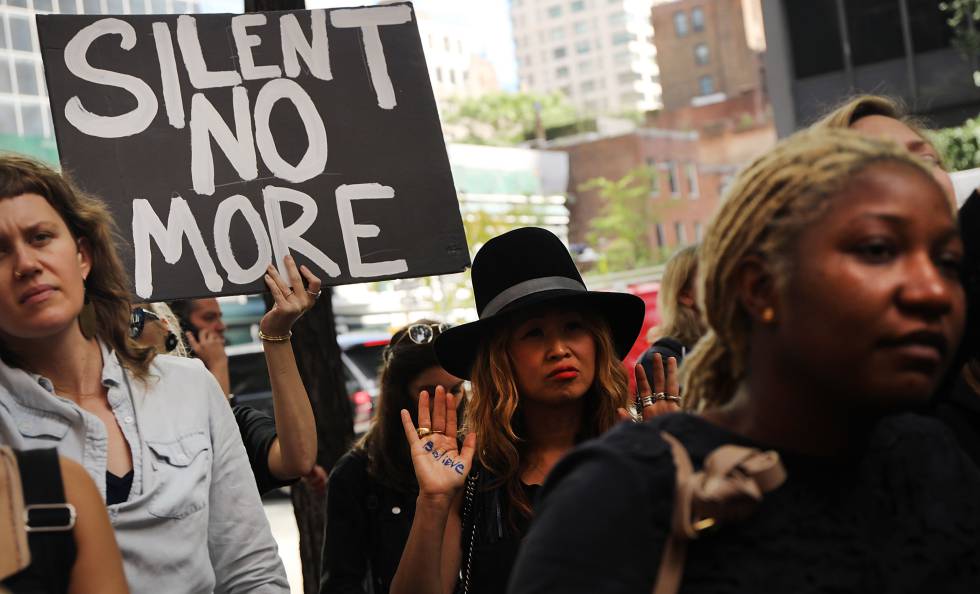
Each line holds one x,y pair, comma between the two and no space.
728,488
14,552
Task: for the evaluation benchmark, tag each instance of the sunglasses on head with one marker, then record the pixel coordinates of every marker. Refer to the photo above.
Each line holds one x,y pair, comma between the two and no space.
137,319
419,334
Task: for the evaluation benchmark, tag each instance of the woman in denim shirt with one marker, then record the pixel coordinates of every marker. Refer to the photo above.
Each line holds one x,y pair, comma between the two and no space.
155,433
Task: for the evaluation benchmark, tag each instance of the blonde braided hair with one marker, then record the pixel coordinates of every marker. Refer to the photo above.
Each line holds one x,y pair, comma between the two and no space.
764,211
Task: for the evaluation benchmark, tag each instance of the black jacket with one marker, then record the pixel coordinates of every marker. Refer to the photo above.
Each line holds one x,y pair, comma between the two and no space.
367,526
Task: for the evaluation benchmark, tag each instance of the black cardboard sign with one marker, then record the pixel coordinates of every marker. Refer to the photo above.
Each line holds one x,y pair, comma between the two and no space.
224,142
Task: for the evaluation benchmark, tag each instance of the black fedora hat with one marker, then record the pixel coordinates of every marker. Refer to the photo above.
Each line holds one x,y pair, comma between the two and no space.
524,267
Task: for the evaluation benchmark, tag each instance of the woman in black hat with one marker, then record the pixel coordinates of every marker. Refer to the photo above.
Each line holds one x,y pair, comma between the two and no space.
544,362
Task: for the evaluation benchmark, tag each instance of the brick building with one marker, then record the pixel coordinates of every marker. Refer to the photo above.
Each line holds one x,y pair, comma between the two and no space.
684,192
704,52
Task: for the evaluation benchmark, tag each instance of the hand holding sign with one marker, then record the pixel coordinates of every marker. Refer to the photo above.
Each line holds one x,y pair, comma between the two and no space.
440,467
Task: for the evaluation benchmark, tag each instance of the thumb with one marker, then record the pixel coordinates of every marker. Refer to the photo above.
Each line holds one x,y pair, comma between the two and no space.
469,449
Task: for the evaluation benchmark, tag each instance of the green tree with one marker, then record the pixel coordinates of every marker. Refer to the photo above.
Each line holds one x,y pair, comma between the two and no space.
963,16
959,146
619,233
504,118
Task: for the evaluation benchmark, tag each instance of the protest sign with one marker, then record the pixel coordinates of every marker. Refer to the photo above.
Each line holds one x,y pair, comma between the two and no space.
224,142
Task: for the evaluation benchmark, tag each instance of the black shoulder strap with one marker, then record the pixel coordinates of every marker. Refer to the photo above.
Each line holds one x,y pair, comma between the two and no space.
49,518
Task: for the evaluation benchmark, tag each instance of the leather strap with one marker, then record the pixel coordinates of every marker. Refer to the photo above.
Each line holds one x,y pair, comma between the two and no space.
728,488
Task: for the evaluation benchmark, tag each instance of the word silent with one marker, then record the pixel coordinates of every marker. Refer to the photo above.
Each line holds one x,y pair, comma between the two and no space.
443,457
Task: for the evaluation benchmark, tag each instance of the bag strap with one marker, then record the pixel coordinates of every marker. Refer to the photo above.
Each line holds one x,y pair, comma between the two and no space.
469,523
728,488
48,517
13,532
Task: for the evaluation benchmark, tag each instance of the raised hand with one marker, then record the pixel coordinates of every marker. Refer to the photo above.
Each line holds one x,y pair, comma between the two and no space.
440,466
292,298
664,397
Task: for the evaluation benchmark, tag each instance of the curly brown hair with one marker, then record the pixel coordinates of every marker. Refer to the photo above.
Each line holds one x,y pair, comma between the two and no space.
88,218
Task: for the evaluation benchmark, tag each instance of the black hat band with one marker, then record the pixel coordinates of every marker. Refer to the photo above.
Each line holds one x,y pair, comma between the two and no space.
529,287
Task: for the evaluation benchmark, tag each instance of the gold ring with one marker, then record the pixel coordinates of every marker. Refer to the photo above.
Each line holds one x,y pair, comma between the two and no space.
423,432
437,431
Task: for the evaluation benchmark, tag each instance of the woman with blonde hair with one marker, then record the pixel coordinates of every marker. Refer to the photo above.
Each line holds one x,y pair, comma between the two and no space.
153,432
544,364
680,321
829,280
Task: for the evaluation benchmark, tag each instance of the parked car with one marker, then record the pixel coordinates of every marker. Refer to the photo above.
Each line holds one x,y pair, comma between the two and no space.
361,355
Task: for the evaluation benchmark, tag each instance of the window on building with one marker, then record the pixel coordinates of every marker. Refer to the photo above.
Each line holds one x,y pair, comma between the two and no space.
692,181
680,232
30,116
18,3
672,182
654,177
8,118
565,90
697,18
661,236
6,86
43,5
584,67
70,7
680,24
617,18
446,43
577,5
159,6
591,106
452,76
581,27
875,29
557,34
629,99
621,58
92,6
438,74
625,78
698,232
706,85
701,54
582,47
814,38
26,77
116,7
459,46
587,86
930,31
20,33
529,79
622,38
561,72
559,52
554,11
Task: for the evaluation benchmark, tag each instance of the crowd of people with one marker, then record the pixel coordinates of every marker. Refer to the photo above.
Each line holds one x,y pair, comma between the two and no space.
806,419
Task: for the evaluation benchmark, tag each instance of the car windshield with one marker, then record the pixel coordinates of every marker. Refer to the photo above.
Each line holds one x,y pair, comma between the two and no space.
367,358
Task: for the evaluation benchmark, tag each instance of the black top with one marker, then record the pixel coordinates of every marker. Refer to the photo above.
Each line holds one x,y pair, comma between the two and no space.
117,487
498,539
367,525
900,515
960,411
258,431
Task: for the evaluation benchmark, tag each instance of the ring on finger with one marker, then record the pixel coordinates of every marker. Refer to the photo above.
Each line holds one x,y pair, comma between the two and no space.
659,396
646,401
312,294
674,399
424,432
438,432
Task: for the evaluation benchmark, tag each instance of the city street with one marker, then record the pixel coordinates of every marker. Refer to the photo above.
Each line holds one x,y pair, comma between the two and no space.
279,510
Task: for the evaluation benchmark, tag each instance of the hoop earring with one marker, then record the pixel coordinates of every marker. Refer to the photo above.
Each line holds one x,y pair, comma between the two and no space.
769,315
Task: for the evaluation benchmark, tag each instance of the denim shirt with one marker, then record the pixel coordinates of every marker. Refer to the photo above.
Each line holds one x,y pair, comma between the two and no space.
193,521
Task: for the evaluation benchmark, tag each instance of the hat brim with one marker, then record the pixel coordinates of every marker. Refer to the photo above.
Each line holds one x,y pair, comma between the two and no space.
456,347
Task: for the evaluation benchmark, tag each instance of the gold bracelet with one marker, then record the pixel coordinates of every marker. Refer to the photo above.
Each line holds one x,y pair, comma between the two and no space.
267,338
